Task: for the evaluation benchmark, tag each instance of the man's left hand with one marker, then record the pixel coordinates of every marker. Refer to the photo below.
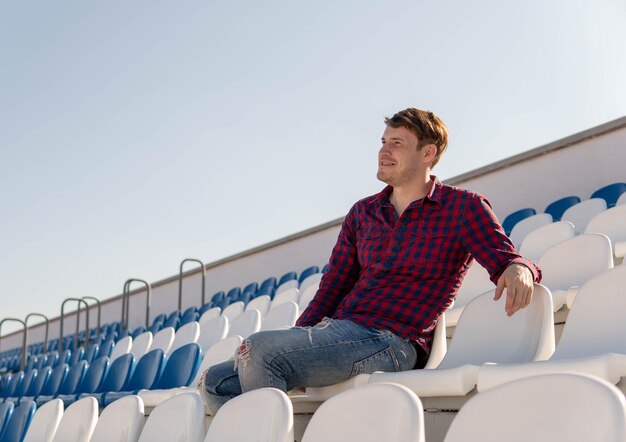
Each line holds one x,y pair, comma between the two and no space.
518,280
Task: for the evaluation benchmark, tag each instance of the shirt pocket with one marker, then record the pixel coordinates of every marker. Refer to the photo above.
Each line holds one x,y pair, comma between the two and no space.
429,251
371,245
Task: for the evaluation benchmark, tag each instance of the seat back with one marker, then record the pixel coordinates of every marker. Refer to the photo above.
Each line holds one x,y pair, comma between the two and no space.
178,418
310,280
233,310
558,207
73,378
261,303
210,313
610,193
119,374
612,223
94,376
90,353
280,317
51,386
580,214
515,217
78,421
20,420
307,294
147,371
538,241
65,356
120,421
219,352
356,415
568,407
45,422
595,324
439,346
576,260
484,332
29,376
527,225
180,367
245,324
187,334
242,419
122,347
141,345
6,410
38,382
212,331
163,339
289,295
475,282
105,349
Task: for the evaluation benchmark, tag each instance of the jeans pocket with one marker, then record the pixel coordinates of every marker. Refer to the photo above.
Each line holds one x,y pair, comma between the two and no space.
384,360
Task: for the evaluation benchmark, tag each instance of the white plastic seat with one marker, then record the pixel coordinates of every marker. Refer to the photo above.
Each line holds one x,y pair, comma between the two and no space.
307,295
45,422
180,418
356,415
233,310
287,285
163,339
476,282
187,334
210,314
483,334
592,341
580,214
612,223
122,347
621,200
562,407
310,280
263,415
141,345
261,303
572,262
212,331
538,241
527,225
78,421
245,324
121,421
220,352
280,317
290,295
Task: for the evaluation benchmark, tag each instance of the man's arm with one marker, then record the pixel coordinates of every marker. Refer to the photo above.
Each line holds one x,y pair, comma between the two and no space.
341,275
485,239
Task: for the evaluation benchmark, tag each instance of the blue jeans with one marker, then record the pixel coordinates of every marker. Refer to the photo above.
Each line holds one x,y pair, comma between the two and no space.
325,354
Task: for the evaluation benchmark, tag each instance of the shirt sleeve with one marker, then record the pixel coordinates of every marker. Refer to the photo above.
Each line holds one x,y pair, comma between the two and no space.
341,275
484,238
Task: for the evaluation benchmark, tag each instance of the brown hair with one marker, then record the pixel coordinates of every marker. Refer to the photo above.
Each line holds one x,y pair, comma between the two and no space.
426,125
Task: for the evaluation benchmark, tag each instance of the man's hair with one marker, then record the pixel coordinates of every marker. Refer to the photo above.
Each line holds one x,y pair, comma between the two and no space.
426,125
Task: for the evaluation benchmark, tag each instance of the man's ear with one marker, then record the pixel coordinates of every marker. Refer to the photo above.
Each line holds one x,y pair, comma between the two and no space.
429,152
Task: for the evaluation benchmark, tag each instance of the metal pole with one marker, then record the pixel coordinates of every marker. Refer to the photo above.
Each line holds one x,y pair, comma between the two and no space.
77,318
180,281
148,299
24,339
45,345
99,310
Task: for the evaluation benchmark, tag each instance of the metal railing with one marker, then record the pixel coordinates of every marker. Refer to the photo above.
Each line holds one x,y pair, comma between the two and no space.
80,301
24,339
180,281
91,298
41,315
126,302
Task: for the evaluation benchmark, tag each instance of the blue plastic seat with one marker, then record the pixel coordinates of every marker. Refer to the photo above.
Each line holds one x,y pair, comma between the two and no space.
139,330
69,384
6,410
52,384
208,306
63,357
90,383
218,297
118,376
251,288
156,327
35,386
180,368
234,293
90,353
106,348
308,272
172,320
268,284
287,277
18,423
515,217
558,207
29,376
325,268
610,193
146,375
76,356
188,316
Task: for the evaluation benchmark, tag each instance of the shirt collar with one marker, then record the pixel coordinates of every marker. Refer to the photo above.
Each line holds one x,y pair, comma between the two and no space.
434,194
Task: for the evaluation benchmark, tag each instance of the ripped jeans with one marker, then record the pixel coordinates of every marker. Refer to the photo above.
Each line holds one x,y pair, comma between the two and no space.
330,352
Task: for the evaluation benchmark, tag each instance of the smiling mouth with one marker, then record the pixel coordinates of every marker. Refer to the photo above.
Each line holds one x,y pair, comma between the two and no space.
386,163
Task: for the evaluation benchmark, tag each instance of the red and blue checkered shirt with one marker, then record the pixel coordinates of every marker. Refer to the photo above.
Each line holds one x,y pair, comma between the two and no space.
402,273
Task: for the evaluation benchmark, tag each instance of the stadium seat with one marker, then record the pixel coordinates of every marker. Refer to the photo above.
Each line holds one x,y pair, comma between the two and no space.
64,357
610,193
513,218
313,278
22,387
288,295
45,422
36,385
187,334
621,200
122,347
356,415
287,277
580,214
251,288
141,345
612,223
245,324
90,353
241,418
52,383
476,282
281,317
70,383
121,421
213,312
537,242
105,350
527,225
233,310
116,378
570,263
19,421
189,315
565,407
78,421
268,284
212,331
484,333
556,208
592,341
163,340
6,410
90,383
261,303
307,272
180,418
307,295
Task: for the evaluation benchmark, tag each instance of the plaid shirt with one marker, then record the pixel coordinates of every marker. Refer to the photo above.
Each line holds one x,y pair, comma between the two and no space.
402,273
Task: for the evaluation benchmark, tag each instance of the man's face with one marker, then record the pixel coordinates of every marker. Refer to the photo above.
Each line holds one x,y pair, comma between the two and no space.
399,161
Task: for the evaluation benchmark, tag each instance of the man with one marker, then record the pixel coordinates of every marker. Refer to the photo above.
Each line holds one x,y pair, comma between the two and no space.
398,263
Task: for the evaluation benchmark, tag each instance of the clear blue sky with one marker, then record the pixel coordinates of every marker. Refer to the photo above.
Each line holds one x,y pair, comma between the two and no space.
135,134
